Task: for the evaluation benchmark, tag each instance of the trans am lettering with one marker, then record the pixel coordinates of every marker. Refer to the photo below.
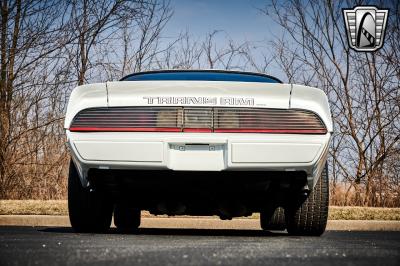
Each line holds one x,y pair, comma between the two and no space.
181,100
201,100
236,101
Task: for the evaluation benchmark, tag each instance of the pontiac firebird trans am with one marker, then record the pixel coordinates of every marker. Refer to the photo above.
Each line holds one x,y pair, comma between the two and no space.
201,142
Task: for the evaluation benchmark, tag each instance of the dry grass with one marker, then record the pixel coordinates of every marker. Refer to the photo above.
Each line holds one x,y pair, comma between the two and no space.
59,207
363,213
38,207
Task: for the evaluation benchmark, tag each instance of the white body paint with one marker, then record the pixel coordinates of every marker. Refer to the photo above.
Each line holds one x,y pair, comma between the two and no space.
219,151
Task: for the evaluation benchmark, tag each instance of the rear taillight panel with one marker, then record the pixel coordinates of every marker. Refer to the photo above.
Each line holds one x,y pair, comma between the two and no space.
128,119
257,120
198,119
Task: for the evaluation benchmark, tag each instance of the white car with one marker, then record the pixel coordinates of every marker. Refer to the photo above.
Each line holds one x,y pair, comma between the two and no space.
198,142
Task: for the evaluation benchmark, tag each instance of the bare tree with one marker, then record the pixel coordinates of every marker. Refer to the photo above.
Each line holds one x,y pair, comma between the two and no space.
135,42
362,88
94,22
215,51
45,51
183,52
31,35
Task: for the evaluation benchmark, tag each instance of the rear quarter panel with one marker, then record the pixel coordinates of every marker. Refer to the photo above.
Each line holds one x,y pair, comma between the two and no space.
85,96
313,99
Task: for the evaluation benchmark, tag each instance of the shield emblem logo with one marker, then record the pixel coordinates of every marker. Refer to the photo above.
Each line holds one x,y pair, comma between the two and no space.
365,27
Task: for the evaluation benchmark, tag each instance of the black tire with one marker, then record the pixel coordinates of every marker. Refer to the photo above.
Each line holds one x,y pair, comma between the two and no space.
89,211
276,222
126,219
310,217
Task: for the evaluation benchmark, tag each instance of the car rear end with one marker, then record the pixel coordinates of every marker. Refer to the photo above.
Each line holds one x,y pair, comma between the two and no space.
226,148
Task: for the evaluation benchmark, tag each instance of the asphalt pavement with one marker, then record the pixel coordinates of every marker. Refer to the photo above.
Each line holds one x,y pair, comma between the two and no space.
157,246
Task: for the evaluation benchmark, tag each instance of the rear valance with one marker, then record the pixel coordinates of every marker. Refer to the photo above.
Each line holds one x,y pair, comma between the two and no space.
198,119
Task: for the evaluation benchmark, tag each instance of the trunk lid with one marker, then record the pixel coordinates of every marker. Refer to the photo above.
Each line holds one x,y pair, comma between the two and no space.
198,93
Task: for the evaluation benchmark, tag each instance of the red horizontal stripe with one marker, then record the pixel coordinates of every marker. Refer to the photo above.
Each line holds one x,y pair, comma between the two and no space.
125,129
262,130
200,130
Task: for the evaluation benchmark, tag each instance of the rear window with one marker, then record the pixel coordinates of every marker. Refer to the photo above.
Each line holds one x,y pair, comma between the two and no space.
202,76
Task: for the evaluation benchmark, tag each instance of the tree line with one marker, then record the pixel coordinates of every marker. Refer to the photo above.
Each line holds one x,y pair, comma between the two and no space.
49,47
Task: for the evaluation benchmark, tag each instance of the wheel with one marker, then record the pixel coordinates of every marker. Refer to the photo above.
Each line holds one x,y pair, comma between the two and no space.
276,222
126,219
310,216
89,211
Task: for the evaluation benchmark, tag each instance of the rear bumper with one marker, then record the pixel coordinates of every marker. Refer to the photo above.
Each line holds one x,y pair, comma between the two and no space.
199,152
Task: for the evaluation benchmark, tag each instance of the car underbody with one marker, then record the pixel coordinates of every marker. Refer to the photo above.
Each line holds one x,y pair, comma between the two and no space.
226,194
